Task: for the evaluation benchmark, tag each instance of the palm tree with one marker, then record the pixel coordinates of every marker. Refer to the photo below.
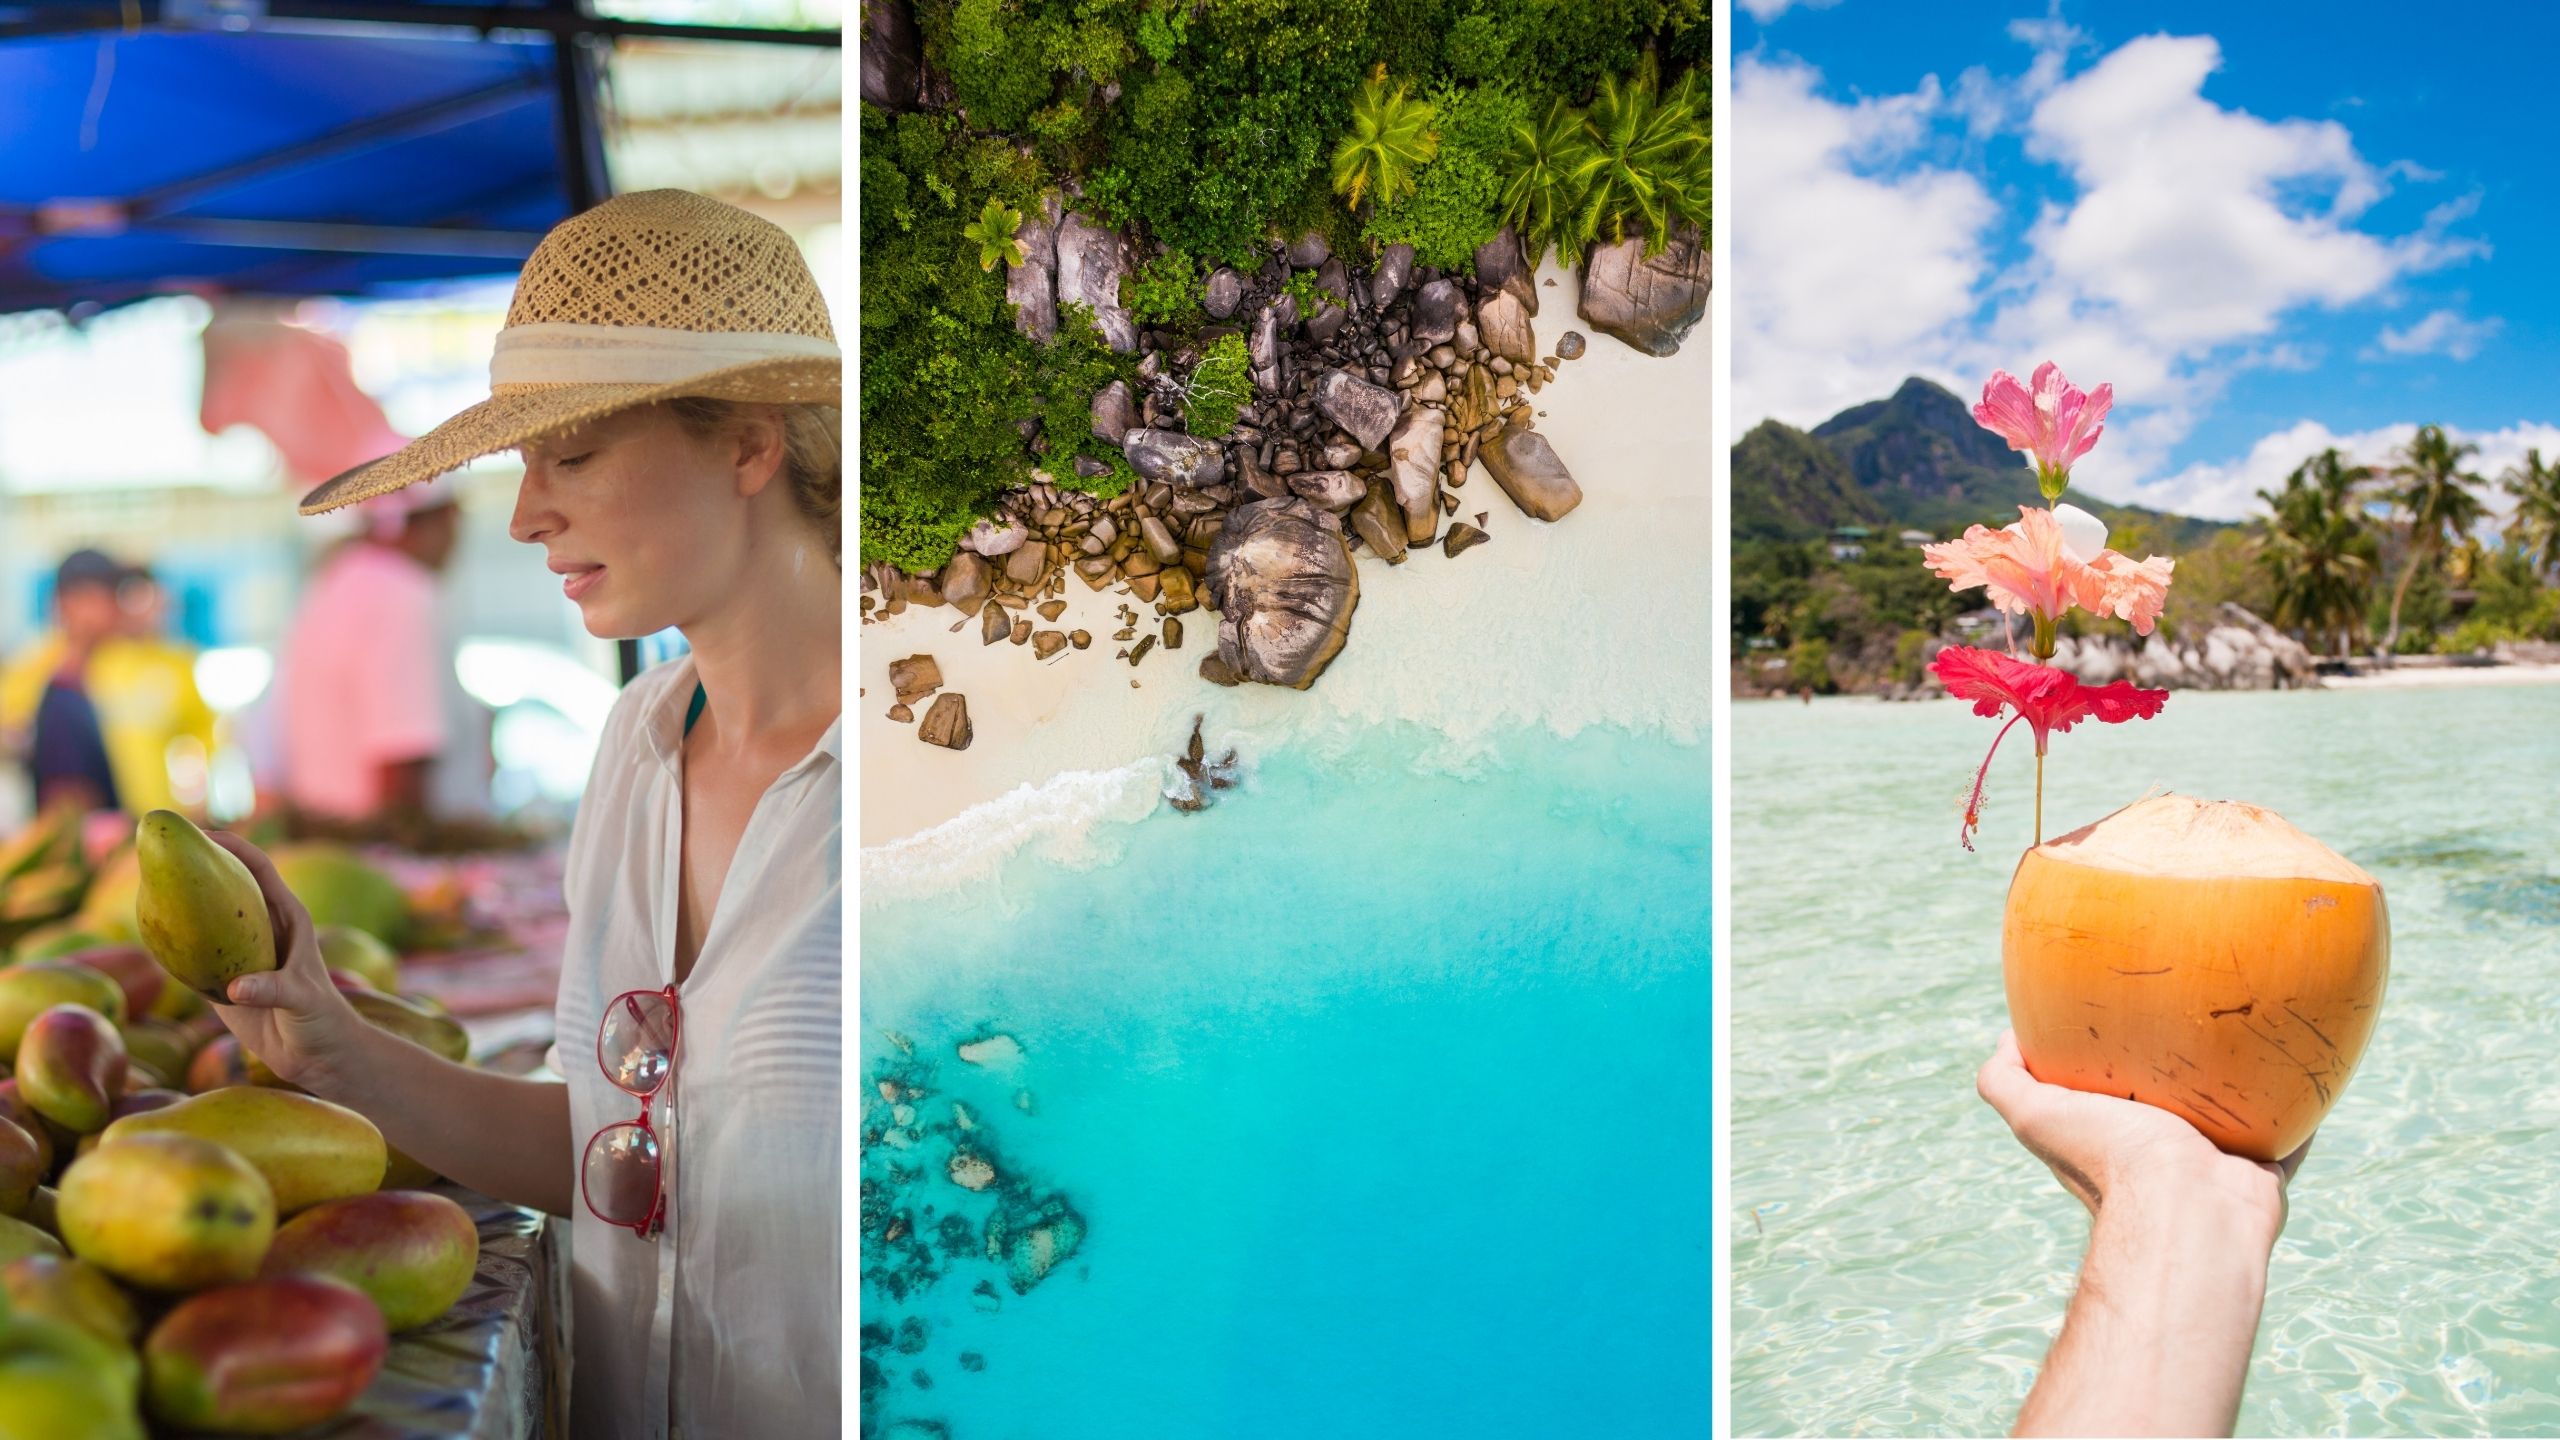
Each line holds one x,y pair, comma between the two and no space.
1391,138
2535,527
997,234
2436,494
2319,553
1540,193
1650,161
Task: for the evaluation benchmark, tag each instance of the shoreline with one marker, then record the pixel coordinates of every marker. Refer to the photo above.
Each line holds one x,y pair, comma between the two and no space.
1501,634
2433,677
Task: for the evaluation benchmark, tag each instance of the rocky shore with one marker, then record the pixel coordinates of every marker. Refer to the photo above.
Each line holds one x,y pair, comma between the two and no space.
1369,409
2238,651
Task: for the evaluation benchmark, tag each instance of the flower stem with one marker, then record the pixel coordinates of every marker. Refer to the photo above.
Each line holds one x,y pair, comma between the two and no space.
2039,795
2045,639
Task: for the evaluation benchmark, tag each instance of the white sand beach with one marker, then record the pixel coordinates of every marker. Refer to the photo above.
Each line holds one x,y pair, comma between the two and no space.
1598,619
2450,677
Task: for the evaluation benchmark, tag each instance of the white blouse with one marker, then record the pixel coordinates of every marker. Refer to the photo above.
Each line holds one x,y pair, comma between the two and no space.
729,1325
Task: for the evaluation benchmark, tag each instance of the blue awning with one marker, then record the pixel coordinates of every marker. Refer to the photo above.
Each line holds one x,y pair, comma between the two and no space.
279,159
297,147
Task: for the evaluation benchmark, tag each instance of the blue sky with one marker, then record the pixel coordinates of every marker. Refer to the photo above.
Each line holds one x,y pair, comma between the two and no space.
2273,228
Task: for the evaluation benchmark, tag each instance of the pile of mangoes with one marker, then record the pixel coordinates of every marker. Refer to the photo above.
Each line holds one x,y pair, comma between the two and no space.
185,1241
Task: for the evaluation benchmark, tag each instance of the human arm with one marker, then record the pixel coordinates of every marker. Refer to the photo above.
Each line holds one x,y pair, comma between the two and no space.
500,1135
2157,1337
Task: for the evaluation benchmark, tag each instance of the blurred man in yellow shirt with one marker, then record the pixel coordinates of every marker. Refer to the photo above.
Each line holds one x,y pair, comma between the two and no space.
103,705
158,728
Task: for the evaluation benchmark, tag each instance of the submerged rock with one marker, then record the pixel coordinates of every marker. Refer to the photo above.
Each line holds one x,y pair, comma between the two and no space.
993,1052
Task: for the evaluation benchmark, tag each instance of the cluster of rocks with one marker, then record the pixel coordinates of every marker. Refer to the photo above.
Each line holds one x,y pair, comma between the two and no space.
1364,421
944,1198
2239,651
946,722
1197,778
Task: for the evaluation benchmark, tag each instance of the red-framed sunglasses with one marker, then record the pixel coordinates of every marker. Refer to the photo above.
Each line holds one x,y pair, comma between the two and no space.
620,1177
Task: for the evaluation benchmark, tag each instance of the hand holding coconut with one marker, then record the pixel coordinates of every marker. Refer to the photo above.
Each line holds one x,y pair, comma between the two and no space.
2190,984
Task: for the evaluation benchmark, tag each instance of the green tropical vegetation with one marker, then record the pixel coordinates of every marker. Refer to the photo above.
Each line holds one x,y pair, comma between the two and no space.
1218,387
1391,140
998,233
2349,558
1204,129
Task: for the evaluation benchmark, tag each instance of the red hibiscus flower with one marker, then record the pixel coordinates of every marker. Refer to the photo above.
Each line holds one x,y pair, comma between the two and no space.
2046,698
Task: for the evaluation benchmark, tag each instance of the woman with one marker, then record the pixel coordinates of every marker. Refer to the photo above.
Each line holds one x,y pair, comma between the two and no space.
669,375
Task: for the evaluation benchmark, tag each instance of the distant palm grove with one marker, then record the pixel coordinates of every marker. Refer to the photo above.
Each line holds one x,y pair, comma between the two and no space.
2355,560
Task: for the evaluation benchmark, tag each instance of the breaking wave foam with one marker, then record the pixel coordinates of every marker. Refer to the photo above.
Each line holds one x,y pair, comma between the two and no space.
1067,817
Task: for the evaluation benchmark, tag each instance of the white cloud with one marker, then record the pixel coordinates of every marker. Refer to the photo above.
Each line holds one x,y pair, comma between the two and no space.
2442,332
2228,490
2187,237
1765,11
1852,279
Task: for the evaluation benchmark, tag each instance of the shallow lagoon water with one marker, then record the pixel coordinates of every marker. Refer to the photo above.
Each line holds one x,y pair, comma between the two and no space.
1900,1265
1379,1090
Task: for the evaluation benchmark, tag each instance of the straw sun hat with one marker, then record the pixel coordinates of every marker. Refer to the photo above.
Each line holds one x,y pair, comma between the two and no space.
649,296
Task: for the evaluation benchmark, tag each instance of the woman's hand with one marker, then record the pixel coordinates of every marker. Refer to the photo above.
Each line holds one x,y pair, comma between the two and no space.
292,1018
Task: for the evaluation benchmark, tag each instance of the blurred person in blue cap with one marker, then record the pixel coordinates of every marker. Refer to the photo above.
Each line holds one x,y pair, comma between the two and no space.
45,704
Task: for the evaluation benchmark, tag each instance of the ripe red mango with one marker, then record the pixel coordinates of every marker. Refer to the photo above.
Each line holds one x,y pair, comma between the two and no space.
15,1109
24,1162
134,971
264,1358
71,1067
413,1252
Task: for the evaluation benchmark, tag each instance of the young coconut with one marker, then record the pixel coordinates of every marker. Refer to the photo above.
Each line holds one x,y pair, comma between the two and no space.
2205,957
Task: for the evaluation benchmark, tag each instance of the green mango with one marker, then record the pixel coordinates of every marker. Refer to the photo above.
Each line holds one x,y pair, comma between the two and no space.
58,1381
52,942
411,1020
71,1067
339,889
167,1212
73,1293
201,912
309,1150
108,910
27,991
18,1239
343,947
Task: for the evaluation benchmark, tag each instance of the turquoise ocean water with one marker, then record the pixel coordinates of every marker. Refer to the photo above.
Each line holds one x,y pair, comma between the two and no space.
1900,1265
1372,1102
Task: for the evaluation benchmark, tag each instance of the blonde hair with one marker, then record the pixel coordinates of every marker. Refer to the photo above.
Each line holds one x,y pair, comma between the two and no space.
812,455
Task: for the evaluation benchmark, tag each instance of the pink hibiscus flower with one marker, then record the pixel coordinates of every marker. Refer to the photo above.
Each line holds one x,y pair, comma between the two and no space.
2052,420
2038,567
2049,700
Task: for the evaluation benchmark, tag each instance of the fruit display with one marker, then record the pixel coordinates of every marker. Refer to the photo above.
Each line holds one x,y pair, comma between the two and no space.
187,1244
